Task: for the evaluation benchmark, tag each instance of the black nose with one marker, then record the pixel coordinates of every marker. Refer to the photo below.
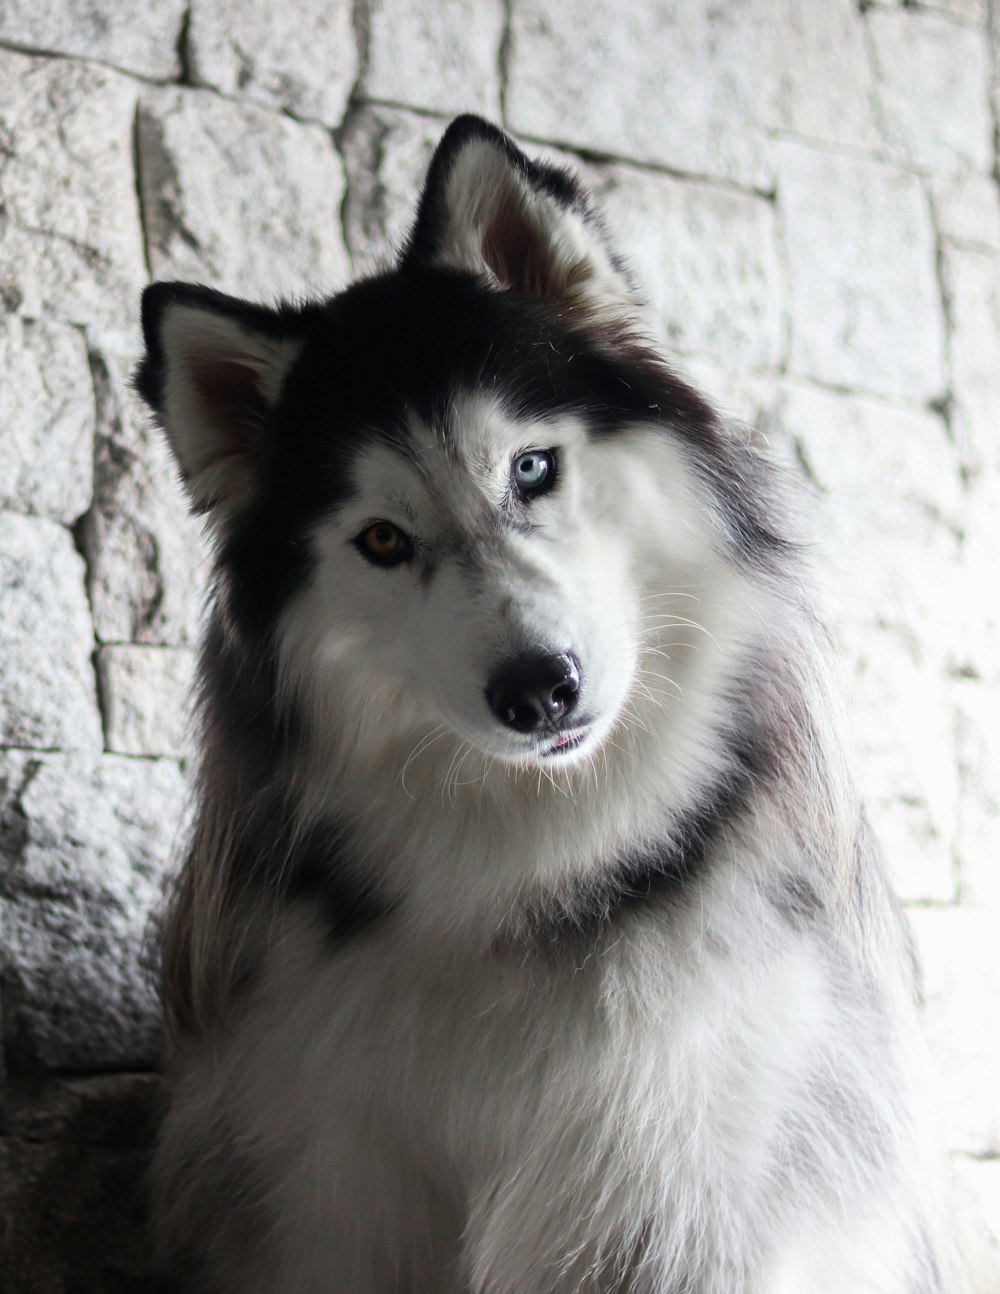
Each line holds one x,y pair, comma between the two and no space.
528,692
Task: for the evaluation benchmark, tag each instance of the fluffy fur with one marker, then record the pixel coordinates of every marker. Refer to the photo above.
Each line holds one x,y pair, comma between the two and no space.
531,939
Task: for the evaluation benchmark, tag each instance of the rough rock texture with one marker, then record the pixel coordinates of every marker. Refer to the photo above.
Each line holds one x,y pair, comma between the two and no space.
444,57
208,168
809,195
85,842
306,66
70,241
47,416
48,692
145,693
865,299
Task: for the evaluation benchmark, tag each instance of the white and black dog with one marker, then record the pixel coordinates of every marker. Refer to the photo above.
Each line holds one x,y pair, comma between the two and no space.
531,940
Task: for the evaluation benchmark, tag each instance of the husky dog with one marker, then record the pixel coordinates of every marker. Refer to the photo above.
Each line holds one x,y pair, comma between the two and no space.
531,939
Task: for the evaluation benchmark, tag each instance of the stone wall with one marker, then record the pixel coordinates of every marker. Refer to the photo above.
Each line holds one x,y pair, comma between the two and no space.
808,191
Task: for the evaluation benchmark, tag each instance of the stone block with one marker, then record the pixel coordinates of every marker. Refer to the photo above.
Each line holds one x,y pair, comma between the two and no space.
85,844
903,717
978,736
146,554
48,692
977,1207
88,1110
810,48
967,210
890,515
72,1218
245,200
972,290
934,90
976,580
304,63
679,85
70,241
706,256
142,38
386,154
961,975
445,58
47,420
146,695
859,242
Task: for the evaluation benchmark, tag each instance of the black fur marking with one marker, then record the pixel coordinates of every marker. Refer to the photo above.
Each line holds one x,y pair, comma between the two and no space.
663,872
798,901
321,872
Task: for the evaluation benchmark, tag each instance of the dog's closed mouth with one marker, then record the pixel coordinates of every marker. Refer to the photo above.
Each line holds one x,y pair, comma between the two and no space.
566,742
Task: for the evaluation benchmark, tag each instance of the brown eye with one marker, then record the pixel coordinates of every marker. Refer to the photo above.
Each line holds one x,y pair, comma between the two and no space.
384,544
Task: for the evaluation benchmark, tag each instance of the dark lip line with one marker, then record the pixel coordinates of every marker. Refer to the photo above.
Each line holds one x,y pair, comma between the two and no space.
572,744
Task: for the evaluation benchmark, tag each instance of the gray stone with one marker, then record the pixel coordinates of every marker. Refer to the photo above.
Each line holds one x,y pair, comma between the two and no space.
967,210
146,694
46,419
48,694
72,1218
977,1210
890,516
978,732
305,65
445,57
89,1110
977,578
944,127
682,85
386,153
243,199
972,289
141,38
146,553
85,842
961,972
707,258
807,47
860,247
70,241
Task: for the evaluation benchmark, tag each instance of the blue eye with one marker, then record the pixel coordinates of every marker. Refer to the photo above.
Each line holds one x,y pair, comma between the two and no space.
534,472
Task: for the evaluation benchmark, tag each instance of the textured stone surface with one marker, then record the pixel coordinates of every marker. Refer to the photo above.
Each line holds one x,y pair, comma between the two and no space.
978,736
306,66
48,693
978,1208
146,554
946,127
443,57
806,46
972,287
967,210
690,83
72,1218
852,448
386,152
860,249
905,727
146,698
706,257
85,843
146,43
957,948
70,242
47,420
242,199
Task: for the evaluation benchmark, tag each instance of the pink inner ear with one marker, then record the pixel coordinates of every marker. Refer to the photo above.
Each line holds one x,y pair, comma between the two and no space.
516,252
231,398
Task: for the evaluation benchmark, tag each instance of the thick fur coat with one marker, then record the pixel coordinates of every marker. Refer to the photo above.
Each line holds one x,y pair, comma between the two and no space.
531,939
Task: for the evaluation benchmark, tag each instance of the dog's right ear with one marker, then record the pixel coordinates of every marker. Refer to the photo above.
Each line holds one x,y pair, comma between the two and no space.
214,369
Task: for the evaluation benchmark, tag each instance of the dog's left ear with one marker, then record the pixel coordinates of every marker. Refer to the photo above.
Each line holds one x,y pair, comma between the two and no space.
522,225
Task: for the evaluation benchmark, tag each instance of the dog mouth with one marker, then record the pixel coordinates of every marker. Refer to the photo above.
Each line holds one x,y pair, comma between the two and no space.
566,742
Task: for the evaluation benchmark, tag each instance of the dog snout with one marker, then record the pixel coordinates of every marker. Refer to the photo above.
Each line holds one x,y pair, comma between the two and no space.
535,691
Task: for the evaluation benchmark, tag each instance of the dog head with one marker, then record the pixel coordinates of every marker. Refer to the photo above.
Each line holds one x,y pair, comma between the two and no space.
464,496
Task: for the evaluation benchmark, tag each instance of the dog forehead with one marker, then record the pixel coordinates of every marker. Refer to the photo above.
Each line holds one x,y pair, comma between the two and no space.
456,466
